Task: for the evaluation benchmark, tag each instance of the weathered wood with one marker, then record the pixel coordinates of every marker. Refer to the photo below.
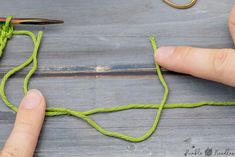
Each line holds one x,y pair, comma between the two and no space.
101,57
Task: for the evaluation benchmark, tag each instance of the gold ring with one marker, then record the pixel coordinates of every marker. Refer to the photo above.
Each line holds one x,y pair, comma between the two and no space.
180,6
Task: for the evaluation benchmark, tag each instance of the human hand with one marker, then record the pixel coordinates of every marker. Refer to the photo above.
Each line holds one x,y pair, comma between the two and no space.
24,136
212,64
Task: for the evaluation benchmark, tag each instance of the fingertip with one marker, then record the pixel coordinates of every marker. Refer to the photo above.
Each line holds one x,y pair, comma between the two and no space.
163,54
32,99
28,124
31,111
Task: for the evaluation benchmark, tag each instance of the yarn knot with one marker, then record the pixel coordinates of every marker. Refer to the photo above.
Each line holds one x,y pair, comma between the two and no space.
6,32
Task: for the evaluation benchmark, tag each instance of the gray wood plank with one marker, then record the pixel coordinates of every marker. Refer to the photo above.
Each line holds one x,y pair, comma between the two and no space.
88,40
179,129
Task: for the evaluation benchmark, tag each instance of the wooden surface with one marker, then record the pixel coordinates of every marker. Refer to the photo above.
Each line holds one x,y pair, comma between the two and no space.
101,57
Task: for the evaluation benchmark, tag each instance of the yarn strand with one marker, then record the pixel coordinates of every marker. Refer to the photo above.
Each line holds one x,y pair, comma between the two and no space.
7,31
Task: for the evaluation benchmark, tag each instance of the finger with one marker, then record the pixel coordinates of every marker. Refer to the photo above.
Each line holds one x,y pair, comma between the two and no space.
23,138
231,24
211,64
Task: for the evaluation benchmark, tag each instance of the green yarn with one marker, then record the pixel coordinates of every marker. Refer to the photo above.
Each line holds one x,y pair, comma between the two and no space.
5,34
7,31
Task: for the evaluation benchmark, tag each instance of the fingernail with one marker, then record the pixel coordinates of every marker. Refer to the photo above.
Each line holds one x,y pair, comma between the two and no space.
164,52
32,99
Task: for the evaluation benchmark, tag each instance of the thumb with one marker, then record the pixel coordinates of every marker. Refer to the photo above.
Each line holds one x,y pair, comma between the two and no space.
24,136
212,64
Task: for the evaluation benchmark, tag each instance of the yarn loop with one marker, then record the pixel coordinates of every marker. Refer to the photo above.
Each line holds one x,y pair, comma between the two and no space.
7,31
